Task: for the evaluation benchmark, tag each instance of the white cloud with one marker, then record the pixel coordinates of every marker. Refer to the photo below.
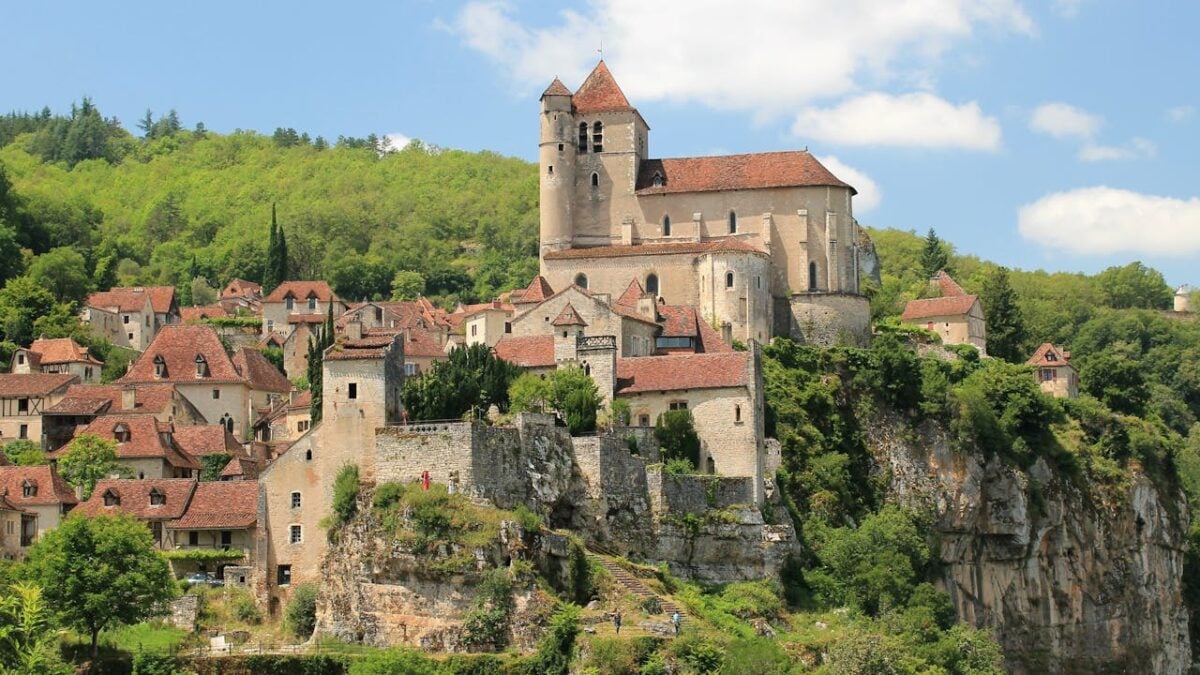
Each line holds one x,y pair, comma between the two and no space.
1103,220
869,195
1138,148
1180,113
1061,120
918,120
776,55
397,141
1066,8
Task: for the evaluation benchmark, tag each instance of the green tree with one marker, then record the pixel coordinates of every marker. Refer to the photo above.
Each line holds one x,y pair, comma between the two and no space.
212,465
935,255
1006,336
529,393
1135,285
471,379
676,435
301,612
407,285
22,301
98,573
1117,380
270,278
574,395
24,453
202,293
63,272
88,459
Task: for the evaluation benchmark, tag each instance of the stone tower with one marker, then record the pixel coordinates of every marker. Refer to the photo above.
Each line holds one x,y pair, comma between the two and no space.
556,157
1183,298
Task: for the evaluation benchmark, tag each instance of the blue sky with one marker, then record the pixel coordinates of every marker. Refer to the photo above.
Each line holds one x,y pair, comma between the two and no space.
1061,134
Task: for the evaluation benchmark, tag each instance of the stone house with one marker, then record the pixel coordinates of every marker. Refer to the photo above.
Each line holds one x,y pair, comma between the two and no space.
362,382
241,297
763,243
955,315
85,402
14,523
147,447
293,303
131,316
156,502
40,493
487,323
287,420
635,333
60,355
219,516
23,399
1054,372
225,389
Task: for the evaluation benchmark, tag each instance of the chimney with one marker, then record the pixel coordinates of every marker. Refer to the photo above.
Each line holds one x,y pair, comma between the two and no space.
79,492
128,397
727,333
354,330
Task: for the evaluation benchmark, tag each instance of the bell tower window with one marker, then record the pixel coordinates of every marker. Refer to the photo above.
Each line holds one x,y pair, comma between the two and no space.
598,137
583,134
666,225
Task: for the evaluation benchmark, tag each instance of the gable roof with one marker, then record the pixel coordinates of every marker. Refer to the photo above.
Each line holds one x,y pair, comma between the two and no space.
145,439
955,305
162,298
51,488
301,290
946,284
533,351
245,468
237,288
259,373
20,385
135,498
633,292
224,505
538,290
568,317
730,244
199,440
599,93
1050,356
795,168
61,350
85,399
122,299
682,372
178,346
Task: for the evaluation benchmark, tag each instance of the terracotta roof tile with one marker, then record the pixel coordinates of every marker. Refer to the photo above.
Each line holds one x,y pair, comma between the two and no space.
61,350
178,346
556,88
681,372
632,294
95,398
302,400
162,298
135,498
711,341
206,439
947,285
369,347
240,288
245,468
735,172
536,351
538,290
600,93
17,385
1050,356
122,299
568,317
679,321
51,488
422,343
301,290
145,440
955,305
682,248
259,373
220,505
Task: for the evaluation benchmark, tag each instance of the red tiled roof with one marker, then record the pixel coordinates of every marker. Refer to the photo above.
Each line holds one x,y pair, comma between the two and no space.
1050,356
195,314
145,440
679,321
260,374
17,385
220,505
556,88
302,400
947,285
682,248
306,318
536,351
538,290
61,350
93,398
128,299
568,317
245,468
632,294
422,343
206,439
161,298
711,341
238,288
135,498
600,93
735,172
179,345
78,405
955,305
686,371
51,488
301,290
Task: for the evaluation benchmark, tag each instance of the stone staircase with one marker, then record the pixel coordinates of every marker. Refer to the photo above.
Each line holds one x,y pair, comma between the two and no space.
635,586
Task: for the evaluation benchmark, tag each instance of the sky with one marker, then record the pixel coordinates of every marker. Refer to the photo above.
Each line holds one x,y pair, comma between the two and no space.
1056,134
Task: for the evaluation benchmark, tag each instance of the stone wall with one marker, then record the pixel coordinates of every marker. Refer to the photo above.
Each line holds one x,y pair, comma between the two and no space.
825,319
696,493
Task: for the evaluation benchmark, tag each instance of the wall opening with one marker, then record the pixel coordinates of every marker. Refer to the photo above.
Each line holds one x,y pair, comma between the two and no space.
652,284
729,280
732,223
666,225
812,276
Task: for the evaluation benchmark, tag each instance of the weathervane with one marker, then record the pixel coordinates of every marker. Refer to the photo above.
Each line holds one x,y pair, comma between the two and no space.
600,51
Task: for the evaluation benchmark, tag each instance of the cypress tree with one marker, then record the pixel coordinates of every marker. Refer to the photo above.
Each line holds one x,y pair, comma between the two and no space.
934,256
1006,334
270,278
281,254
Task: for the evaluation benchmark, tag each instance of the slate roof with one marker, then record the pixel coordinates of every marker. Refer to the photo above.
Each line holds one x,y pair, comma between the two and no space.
796,168
220,505
681,248
21,385
135,498
535,351
599,93
51,488
682,372
302,290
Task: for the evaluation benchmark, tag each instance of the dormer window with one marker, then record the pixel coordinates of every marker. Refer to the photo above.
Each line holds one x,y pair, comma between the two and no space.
1051,356
160,366
598,137
112,497
312,303
201,366
121,432
29,488
657,181
289,302
157,498
583,133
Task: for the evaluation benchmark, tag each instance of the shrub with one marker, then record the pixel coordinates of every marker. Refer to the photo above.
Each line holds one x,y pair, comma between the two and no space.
755,657
153,663
245,609
486,625
529,521
698,653
675,432
388,494
621,413
301,612
345,495
752,600
579,587
396,662
679,466
556,649
611,655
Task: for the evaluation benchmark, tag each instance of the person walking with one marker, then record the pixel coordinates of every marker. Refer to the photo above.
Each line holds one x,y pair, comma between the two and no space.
617,622
675,619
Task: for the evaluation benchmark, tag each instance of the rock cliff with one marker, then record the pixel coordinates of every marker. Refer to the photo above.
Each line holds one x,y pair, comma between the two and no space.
1072,579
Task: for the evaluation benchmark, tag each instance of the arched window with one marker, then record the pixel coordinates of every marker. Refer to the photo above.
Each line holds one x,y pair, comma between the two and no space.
658,181
598,137
581,280
732,223
583,128
308,455
595,179
812,276
666,222
227,422
652,284
729,280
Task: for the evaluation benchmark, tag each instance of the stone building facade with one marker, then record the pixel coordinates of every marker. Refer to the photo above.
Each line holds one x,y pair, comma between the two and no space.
1055,373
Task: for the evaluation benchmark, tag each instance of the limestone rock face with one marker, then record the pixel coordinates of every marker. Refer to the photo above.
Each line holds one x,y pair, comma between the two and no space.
1071,581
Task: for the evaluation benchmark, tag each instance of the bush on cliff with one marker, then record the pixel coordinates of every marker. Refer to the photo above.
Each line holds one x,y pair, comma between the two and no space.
675,432
471,379
301,612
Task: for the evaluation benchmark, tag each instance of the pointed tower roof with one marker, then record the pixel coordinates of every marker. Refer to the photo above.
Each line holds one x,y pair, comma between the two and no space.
632,294
947,285
556,88
600,93
538,290
568,317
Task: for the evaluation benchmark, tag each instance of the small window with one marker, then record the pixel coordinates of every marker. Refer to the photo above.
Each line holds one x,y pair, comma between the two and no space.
729,280
201,366
583,133
732,223
643,420
550,169
474,330
312,304
216,394
289,302
22,405
29,488
1051,356
737,414
130,336
23,433
308,455
227,422
226,538
410,369
507,327
678,405
157,498
295,500
21,358
657,181
193,538
595,179
160,366
560,147
598,137
124,318
652,284
812,276
352,390
283,575
295,534
581,280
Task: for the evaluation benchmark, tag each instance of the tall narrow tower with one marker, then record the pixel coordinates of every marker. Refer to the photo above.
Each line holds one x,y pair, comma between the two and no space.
556,159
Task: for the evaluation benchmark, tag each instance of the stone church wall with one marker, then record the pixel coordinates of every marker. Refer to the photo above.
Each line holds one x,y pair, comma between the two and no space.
825,319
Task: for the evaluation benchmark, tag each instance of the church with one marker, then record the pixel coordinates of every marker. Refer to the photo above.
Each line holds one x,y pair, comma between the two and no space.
761,244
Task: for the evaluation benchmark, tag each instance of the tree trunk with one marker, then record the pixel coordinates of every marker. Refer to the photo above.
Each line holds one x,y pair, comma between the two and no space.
95,643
